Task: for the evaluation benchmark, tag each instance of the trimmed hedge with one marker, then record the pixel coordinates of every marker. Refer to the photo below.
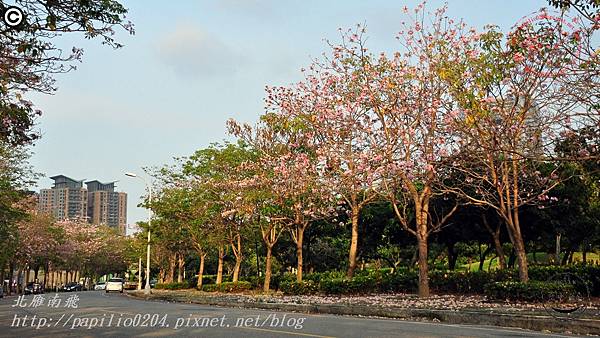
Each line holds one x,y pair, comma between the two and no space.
402,280
307,287
318,276
275,283
208,279
173,286
370,281
532,291
228,287
467,282
587,274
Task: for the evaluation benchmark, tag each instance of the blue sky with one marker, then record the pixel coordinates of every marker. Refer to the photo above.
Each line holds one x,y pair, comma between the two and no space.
194,64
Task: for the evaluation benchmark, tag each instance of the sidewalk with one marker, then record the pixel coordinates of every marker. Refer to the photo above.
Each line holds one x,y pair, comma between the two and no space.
444,308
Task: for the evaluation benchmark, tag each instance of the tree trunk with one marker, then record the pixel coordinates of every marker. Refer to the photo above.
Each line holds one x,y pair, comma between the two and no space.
20,285
180,268
267,282
171,272
237,250
499,252
139,283
353,243
483,256
27,272
202,256
423,267
491,262
257,259
51,280
452,256
299,243
497,243
220,266
511,259
161,274
570,261
584,254
46,271
421,232
557,250
236,270
510,214
521,258
11,276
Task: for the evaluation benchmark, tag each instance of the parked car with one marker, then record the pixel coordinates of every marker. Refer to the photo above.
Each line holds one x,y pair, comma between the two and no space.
114,284
100,286
72,286
130,285
153,283
33,288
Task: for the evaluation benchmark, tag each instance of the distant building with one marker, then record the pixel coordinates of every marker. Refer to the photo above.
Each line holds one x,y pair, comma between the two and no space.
98,204
67,199
105,205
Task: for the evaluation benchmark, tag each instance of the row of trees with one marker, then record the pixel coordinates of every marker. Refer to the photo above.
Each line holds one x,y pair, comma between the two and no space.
29,59
76,247
455,117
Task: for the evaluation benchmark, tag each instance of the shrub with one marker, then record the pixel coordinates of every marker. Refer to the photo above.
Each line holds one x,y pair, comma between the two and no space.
255,281
588,276
531,291
467,282
307,287
401,281
172,286
210,279
227,287
358,284
365,281
318,276
275,283
334,286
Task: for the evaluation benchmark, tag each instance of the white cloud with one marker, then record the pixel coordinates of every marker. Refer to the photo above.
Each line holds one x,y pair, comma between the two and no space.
193,53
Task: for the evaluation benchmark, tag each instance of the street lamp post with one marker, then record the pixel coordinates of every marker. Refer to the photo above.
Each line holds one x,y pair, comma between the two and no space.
149,187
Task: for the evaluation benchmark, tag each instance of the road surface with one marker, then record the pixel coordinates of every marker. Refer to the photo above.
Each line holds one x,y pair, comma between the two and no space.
98,314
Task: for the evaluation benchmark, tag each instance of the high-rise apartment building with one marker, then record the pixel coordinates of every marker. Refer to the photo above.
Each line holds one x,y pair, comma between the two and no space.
67,199
98,204
105,205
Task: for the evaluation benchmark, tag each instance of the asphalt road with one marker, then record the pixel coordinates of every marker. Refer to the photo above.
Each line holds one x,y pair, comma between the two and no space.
115,315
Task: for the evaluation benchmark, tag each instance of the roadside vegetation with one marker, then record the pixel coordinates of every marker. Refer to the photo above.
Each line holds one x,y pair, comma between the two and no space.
466,161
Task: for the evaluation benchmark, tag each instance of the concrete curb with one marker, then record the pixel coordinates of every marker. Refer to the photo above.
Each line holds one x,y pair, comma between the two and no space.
529,322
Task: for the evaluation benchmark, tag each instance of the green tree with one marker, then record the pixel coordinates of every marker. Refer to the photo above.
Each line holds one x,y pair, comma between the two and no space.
29,55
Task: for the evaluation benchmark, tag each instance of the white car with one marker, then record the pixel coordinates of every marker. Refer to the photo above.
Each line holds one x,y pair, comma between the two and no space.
100,286
114,284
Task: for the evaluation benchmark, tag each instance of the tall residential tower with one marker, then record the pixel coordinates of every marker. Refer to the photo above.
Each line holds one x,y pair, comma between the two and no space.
67,199
105,205
98,204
